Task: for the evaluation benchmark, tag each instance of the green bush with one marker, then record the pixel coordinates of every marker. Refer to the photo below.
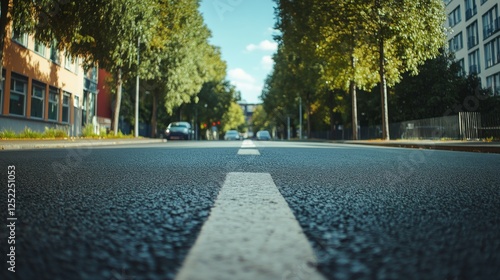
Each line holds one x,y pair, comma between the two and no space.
54,133
8,134
88,131
30,134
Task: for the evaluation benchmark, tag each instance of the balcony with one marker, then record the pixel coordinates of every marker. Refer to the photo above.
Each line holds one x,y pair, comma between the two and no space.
471,42
473,69
470,13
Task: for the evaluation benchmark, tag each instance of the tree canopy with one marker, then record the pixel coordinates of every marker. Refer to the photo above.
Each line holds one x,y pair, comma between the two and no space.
344,45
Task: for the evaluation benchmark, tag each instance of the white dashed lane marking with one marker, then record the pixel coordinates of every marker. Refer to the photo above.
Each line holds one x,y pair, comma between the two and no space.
251,234
245,151
247,144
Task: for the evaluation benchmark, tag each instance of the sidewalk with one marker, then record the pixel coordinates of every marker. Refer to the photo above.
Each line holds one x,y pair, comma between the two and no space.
455,145
21,144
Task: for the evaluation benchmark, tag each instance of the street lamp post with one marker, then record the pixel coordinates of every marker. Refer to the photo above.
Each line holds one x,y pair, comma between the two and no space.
136,125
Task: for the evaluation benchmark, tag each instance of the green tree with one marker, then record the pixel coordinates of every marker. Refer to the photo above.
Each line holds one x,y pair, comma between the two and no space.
233,118
260,119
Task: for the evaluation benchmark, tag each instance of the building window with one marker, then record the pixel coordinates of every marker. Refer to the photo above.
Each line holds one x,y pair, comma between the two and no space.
472,35
1,91
493,83
456,43
39,48
54,53
490,22
461,63
470,9
20,38
483,1
454,17
37,100
446,2
474,65
76,65
18,91
69,63
65,107
53,104
492,52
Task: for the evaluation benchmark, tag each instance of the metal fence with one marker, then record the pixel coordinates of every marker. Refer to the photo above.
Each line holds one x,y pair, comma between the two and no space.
431,128
464,126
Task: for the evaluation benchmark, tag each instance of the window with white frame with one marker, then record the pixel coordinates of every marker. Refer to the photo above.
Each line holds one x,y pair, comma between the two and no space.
18,91
474,65
470,9
461,63
493,83
1,91
39,48
492,52
20,38
490,22
53,104
37,100
65,107
54,53
69,62
454,17
472,35
456,43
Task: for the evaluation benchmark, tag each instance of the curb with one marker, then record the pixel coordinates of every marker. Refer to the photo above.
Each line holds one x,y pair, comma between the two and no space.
474,148
75,144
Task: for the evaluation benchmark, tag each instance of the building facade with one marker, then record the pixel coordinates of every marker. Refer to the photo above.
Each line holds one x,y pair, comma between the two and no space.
42,87
474,37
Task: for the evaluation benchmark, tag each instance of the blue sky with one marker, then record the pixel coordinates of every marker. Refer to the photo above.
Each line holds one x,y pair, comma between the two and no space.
243,29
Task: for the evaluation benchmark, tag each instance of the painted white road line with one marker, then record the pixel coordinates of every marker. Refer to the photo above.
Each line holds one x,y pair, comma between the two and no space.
247,144
253,152
251,233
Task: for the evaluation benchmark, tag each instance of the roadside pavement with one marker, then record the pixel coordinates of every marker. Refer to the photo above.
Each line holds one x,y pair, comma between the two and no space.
451,145
21,144
465,146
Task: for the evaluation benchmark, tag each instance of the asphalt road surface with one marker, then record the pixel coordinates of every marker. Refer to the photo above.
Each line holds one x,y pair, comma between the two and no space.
246,210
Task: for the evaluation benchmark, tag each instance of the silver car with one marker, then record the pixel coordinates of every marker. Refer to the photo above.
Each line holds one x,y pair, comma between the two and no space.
232,135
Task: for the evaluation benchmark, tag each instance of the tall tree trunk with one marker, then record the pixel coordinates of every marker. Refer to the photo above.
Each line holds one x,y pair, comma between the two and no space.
383,92
154,115
352,91
308,112
332,121
118,100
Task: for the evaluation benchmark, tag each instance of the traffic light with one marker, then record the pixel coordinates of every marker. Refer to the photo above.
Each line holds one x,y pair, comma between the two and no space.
218,122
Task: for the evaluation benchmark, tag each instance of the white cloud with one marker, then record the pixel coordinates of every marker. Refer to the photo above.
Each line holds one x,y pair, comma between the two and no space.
240,75
265,45
248,86
272,31
267,62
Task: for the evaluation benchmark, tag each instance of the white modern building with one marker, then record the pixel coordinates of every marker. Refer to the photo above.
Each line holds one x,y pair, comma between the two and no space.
474,37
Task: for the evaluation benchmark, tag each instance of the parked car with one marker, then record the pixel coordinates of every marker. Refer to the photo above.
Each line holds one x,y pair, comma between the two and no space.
232,135
263,135
179,130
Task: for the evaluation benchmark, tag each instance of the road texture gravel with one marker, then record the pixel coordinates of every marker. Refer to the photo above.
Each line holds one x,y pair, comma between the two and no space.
134,211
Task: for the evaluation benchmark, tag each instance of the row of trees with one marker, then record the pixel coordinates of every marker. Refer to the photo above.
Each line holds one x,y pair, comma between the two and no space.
177,64
327,48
